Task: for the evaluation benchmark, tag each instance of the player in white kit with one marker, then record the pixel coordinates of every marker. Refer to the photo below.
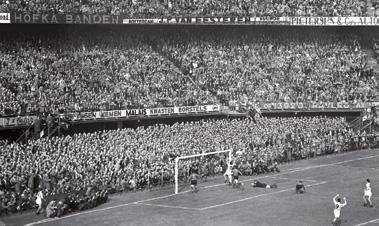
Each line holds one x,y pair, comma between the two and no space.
337,209
367,194
39,201
228,173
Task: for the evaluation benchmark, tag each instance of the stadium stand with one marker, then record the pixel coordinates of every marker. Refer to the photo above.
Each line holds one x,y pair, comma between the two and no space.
99,73
268,67
108,70
87,166
54,71
148,9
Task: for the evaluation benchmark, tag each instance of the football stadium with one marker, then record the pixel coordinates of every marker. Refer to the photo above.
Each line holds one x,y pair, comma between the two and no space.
189,112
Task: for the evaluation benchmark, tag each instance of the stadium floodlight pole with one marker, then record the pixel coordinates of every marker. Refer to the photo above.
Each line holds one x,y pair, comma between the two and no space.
194,156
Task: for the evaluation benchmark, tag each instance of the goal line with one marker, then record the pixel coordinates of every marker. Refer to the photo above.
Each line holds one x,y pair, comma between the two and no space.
178,158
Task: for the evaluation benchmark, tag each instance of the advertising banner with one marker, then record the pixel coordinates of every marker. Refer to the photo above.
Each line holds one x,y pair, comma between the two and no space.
5,18
295,21
182,110
212,20
334,21
315,105
143,112
36,18
17,121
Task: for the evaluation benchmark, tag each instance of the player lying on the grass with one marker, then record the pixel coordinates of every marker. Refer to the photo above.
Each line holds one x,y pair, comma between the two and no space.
367,194
337,209
236,173
193,178
258,184
300,188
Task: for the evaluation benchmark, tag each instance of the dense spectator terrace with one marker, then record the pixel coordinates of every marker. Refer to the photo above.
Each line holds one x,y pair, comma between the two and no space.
109,69
61,72
132,159
165,8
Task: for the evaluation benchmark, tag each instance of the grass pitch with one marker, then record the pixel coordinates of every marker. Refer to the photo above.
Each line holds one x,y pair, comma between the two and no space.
219,204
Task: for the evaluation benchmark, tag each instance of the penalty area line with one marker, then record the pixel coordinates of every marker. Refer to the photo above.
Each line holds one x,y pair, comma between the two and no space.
293,170
295,179
289,171
257,196
165,206
368,222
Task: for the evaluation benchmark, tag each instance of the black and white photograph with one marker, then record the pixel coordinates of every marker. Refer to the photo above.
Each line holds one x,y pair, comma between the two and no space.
189,112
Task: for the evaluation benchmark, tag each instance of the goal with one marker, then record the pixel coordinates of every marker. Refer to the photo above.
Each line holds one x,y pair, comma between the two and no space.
194,157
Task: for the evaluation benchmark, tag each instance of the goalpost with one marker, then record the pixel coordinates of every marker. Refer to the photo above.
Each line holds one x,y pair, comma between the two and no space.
177,159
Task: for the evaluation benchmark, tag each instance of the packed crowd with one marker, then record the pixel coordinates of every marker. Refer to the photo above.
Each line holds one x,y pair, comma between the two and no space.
86,73
112,69
88,165
155,8
276,68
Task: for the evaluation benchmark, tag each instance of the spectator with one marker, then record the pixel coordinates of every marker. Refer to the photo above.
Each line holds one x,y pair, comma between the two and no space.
146,9
51,209
94,71
85,166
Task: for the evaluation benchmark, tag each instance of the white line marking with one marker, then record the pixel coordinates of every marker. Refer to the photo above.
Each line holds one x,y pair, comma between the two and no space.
297,179
292,171
160,197
211,186
368,222
166,206
95,210
257,196
330,164
76,214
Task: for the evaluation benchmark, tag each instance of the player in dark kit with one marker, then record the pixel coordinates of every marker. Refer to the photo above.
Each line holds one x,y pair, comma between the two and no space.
236,184
193,179
300,188
258,184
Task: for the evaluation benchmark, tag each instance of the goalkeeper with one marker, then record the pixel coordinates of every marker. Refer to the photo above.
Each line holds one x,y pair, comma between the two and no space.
193,179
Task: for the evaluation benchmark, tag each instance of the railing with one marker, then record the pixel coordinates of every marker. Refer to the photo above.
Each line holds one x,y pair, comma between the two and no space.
356,124
25,134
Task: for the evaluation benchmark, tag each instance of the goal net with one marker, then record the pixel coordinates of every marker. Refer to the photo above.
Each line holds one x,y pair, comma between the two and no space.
202,164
